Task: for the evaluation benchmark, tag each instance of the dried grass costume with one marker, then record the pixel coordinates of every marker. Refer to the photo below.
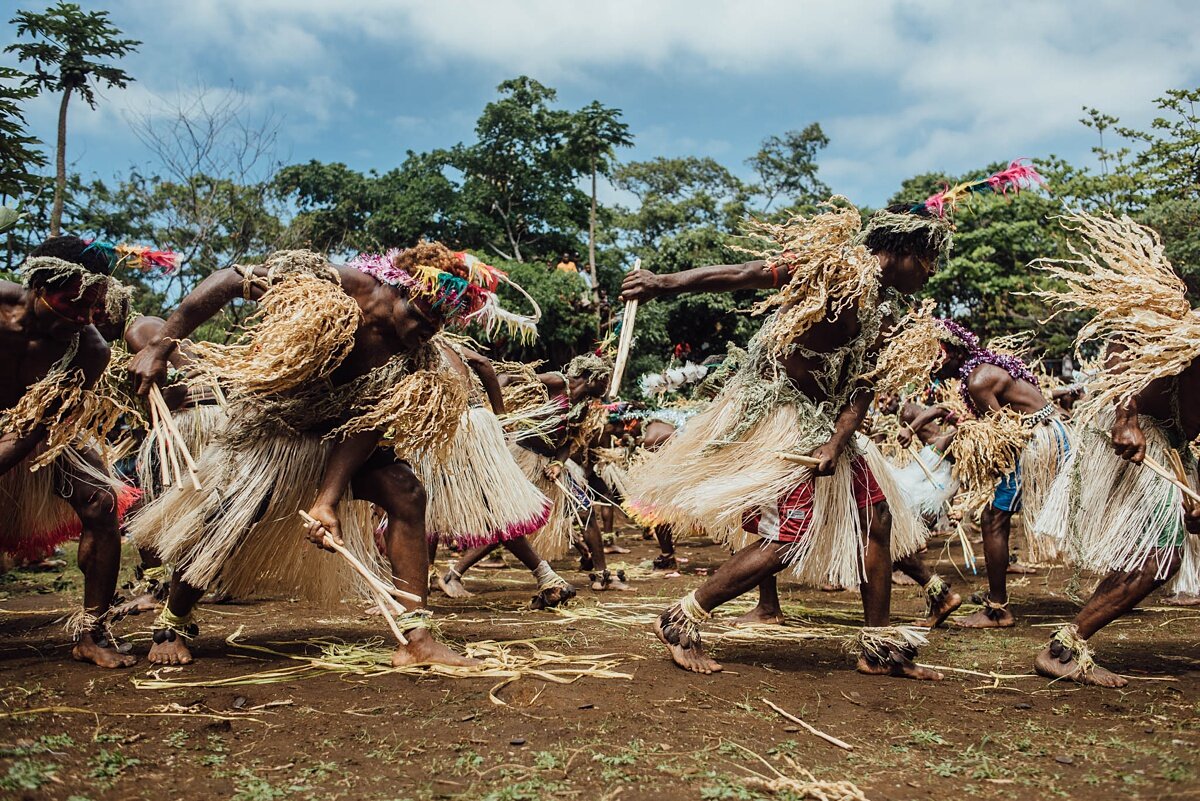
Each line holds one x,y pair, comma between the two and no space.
266,464
476,492
1107,513
36,516
725,468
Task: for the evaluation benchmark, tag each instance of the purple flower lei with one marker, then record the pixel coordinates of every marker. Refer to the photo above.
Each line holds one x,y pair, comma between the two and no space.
960,336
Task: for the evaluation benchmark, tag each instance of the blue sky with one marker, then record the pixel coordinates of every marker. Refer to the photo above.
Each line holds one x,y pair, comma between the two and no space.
899,87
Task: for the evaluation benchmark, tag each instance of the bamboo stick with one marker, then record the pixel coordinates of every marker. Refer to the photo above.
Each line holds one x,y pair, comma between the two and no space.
829,738
156,397
1165,474
800,458
392,592
626,341
164,469
924,468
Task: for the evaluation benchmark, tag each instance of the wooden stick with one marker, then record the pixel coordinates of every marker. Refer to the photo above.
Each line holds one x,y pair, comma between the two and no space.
800,458
156,396
392,592
1165,474
164,468
626,342
811,730
383,600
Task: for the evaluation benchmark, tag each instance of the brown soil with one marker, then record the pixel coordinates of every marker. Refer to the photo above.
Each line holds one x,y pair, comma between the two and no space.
664,734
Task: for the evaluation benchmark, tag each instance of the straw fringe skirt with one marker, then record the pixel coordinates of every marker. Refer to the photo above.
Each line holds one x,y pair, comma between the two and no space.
689,484
478,495
1106,514
197,424
924,496
242,531
1042,460
554,539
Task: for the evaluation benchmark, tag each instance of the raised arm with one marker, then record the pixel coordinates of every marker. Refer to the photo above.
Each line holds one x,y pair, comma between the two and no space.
907,431
645,285
149,366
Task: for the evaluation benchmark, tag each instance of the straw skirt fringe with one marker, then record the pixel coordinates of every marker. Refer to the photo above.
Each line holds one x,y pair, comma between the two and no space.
554,539
197,424
479,495
35,517
1042,460
690,485
243,531
1106,514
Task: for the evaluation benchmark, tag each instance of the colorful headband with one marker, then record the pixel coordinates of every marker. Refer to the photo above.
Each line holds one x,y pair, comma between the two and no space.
977,355
40,269
460,299
955,334
1018,176
139,257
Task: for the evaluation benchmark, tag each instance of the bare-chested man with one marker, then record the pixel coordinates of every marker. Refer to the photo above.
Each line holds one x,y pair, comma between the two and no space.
991,382
1158,417
399,313
803,361
47,326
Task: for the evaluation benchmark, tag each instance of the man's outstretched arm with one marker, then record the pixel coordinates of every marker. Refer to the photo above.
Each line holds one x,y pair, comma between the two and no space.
645,285
149,365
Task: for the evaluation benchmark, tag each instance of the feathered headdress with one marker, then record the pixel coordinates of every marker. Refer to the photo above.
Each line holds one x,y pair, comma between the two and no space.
138,257
1014,178
457,285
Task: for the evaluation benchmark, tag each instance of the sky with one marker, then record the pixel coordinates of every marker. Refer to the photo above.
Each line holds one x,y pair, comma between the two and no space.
900,87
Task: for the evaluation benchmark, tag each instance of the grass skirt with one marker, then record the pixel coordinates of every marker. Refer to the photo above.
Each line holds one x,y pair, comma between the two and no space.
1106,514
197,425
554,539
478,495
699,480
612,468
924,496
242,531
35,517
1041,461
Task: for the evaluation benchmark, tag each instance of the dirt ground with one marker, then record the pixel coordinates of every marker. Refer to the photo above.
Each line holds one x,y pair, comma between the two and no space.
70,731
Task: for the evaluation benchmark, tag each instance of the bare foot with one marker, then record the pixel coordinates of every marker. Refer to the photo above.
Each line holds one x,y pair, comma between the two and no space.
614,548
900,667
1019,569
452,585
1182,599
831,587
941,608
758,616
100,653
686,651
609,580
987,618
423,649
170,652
901,580
1053,667
146,602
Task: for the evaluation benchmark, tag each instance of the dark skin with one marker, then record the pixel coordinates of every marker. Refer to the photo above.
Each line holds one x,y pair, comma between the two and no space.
754,564
33,337
575,391
1119,593
390,325
992,389
654,435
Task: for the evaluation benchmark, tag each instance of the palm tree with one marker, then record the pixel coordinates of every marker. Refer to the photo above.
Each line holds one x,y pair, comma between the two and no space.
597,133
65,51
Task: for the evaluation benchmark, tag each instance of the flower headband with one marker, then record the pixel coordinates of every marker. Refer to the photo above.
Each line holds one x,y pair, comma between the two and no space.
465,293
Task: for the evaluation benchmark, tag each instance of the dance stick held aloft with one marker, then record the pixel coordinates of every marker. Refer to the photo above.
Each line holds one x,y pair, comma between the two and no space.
626,341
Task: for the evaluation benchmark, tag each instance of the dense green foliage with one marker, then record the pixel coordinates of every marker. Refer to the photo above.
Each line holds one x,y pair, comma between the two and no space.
521,195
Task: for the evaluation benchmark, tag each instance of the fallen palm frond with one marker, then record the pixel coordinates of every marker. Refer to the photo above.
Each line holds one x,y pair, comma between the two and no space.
508,660
1121,275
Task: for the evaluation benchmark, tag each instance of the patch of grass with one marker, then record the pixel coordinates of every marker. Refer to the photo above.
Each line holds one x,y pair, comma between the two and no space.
176,739
46,744
719,787
546,760
926,737
626,757
107,766
468,760
251,787
28,774
530,790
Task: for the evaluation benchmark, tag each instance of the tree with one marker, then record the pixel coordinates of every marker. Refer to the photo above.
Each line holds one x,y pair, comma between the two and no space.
19,152
519,196
597,133
66,53
786,166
